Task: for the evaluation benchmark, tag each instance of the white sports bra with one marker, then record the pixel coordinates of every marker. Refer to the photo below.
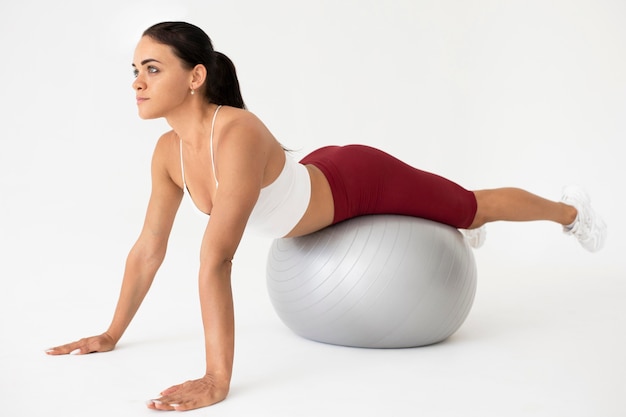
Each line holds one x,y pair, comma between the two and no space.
280,205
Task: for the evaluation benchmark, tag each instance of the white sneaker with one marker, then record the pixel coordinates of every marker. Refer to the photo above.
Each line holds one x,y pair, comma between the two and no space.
588,228
475,237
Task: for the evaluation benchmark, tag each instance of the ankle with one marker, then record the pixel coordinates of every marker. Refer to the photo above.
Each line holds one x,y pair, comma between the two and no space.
569,215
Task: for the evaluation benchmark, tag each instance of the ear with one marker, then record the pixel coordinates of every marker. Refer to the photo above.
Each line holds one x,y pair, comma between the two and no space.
198,76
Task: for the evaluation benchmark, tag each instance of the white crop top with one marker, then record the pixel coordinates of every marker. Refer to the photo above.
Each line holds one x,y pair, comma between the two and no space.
280,205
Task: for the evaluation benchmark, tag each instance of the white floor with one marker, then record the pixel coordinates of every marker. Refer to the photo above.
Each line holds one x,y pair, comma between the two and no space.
538,342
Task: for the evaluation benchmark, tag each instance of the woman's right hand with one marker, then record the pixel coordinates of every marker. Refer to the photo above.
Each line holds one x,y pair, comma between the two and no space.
100,343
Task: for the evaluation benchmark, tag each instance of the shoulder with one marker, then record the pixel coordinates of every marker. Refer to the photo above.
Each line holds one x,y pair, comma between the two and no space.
167,140
165,156
167,145
244,148
235,119
241,128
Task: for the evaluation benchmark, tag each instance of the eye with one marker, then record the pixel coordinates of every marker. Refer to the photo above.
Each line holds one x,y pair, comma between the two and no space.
152,70
135,73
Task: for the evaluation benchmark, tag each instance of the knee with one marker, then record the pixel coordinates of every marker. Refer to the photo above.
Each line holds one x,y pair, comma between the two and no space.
483,204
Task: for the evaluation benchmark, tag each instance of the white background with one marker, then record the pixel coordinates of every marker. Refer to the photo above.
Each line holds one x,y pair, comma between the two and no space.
487,93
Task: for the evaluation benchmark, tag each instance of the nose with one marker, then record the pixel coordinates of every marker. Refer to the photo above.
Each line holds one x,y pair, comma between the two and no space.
138,84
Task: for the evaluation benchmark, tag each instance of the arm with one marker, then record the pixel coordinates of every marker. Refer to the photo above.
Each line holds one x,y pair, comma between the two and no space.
240,168
144,258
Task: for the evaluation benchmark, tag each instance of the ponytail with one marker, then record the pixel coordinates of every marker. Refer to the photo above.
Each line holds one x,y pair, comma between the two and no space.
222,84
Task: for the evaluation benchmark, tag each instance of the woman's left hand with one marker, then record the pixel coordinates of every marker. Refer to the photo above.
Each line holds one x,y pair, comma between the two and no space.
191,394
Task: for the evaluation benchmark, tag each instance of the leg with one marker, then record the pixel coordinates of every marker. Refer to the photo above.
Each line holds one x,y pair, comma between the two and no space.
514,204
365,180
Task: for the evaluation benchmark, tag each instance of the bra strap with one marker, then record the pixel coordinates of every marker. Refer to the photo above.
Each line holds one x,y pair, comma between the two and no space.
211,143
182,166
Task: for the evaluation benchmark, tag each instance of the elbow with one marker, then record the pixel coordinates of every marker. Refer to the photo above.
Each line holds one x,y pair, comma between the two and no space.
149,257
216,265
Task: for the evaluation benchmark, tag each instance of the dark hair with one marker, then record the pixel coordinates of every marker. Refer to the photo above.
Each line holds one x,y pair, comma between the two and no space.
193,46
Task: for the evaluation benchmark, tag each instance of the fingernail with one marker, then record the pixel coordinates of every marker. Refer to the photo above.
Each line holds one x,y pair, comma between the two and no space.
157,402
175,405
49,350
75,352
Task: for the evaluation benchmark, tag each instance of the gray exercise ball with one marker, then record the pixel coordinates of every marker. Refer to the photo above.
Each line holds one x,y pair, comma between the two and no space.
379,281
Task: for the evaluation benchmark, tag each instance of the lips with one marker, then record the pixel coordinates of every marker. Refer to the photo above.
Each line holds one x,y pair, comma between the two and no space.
141,99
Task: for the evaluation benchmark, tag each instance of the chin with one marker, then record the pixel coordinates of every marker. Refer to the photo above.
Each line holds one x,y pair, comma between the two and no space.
148,116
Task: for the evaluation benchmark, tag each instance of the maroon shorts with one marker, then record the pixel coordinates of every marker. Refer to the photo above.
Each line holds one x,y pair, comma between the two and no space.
365,180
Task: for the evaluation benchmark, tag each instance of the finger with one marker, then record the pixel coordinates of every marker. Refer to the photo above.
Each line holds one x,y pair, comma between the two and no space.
170,399
62,350
80,347
175,400
184,406
53,351
171,390
182,401
160,405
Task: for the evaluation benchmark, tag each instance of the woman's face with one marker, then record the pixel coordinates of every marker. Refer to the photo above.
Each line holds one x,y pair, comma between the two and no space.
162,83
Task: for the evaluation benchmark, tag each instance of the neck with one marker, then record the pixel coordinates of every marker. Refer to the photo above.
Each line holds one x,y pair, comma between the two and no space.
192,123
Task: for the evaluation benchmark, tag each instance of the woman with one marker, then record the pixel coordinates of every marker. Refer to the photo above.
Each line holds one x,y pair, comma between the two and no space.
236,171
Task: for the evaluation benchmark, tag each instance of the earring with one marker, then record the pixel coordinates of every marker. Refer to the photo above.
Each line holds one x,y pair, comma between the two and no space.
193,91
